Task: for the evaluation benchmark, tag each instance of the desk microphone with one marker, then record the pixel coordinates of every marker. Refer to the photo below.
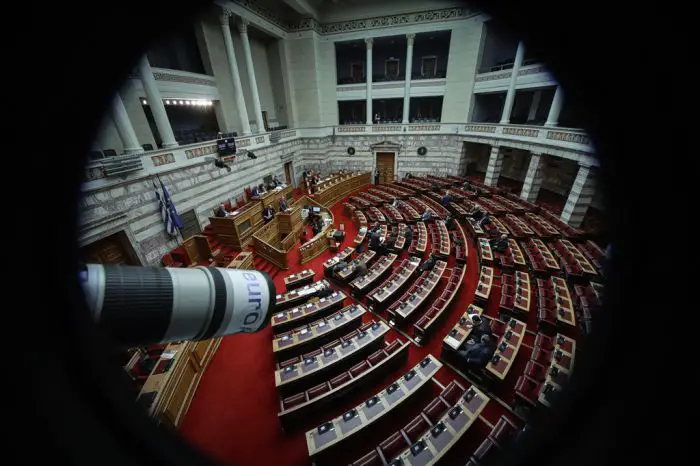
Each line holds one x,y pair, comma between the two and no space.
144,305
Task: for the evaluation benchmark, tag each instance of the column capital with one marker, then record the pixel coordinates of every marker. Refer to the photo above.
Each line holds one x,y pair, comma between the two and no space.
410,37
243,25
224,17
585,165
369,42
535,152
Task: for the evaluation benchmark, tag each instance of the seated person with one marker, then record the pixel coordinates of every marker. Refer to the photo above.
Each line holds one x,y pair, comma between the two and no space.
475,212
276,181
409,235
499,244
221,212
481,327
388,244
478,354
427,215
324,292
268,214
283,205
485,220
467,186
427,265
395,203
360,269
408,176
449,222
339,267
446,199
374,241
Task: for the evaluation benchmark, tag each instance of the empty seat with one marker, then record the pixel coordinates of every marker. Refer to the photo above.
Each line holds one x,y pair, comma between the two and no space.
318,390
486,450
503,432
544,341
393,446
416,428
452,392
527,390
541,356
435,409
393,347
294,400
340,380
359,368
535,371
377,357
498,327
370,459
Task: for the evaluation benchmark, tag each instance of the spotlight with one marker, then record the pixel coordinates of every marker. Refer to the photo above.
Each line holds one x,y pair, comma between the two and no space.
167,102
145,102
251,155
182,103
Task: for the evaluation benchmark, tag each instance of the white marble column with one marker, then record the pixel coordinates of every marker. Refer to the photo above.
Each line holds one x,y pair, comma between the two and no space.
533,178
580,197
156,103
124,127
493,171
410,38
555,109
534,105
510,96
243,29
369,42
235,75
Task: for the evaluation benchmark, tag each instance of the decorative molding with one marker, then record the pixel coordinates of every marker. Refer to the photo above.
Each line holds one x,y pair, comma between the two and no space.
527,132
567,136
243,142
259,139
200,151
160,76
410,38
417,82
351,129
414,128
94,173
310,24
163,159
480,128
386,128
369,42
507,74
535,70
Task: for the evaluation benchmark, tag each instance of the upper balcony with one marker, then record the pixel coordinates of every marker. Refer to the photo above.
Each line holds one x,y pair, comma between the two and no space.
497,78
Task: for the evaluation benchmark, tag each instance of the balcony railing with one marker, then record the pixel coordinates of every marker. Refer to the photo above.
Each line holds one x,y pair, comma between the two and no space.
563,142
507,65
379,78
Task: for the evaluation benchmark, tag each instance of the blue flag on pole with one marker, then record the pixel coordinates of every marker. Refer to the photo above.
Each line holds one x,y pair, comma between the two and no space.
177,221
164,213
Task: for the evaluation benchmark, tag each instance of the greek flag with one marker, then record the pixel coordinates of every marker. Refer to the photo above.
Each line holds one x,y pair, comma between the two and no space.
165,213
174,216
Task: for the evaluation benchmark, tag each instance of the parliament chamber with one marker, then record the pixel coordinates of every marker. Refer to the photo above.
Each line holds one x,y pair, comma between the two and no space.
435,274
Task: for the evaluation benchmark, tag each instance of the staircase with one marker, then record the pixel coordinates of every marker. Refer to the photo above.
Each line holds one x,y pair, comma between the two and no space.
263,265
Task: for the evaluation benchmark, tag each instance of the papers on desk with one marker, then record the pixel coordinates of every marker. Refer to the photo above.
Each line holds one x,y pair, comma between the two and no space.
452,342
168,354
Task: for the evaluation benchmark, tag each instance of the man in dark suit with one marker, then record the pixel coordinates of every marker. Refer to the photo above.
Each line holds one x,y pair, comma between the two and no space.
478,354
409,235
427,215
374,241
499,244
481,327
283,205
268,214
427,265
221,212
446,199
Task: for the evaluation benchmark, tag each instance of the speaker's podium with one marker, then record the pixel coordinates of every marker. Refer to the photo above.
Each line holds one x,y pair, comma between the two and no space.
289,220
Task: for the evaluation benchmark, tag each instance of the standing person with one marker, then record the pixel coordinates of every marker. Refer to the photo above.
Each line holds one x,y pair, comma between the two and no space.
376,176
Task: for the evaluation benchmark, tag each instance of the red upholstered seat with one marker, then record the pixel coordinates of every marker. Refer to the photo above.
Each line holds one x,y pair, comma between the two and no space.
527,390
295,400
541,356
544,341
423,321
393,446
486,450
435,409
535,371
393,346
503,432
498,327
377,357
340,379
318,390
452,392
289,362
416,428
507,302
359,368
370,459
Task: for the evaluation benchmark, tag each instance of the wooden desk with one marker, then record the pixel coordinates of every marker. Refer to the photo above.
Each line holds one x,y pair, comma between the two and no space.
506,350
394,283
443,240
377,270
483,287
342,428
474,228
343,255
563,301
485,253
418,294
237,229
315,334
542,227
360,219
580,258
300,279
559,369
289,221
282,321
300,295
364,258
409,213
393,214
272,198
451,427
458,210
375,215
493,206
550,261
523,291
173,381
518,257
462,329
243,260
333,191
316,245
518,228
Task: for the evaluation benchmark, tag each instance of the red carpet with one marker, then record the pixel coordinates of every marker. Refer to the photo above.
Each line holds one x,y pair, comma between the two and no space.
233,416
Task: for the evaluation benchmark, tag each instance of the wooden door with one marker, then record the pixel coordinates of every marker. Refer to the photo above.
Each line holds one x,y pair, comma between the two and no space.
191,224
288,173
385,166
113,249
264,113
